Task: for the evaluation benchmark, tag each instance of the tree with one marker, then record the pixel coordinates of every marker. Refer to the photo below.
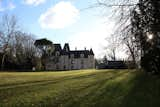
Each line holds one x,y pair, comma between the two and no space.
112,47
8,25
23,50
105,60
121,12
128,39
17,47
46,47
146,29
139,28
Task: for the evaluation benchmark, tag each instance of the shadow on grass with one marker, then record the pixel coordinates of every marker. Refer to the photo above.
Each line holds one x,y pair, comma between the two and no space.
138,90
103,89
70,96
145,92
51,81
91,99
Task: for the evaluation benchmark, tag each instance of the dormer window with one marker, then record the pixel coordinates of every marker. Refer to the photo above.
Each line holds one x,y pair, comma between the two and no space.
82,55
66,47
72,61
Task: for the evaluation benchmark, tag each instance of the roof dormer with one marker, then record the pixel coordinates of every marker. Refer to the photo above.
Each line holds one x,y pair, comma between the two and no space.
66,47
91,52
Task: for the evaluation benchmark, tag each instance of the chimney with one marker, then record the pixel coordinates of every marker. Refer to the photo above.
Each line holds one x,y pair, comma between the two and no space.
75,48
84,48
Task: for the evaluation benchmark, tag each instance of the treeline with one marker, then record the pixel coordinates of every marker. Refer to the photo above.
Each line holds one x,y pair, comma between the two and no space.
17,50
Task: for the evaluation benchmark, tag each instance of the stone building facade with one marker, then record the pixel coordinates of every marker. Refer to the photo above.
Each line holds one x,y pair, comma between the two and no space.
66,59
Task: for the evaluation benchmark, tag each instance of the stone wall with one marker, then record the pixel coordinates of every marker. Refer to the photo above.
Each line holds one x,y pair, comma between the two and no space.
66,63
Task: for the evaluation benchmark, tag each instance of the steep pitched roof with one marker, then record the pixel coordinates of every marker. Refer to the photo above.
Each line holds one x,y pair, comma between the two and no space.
66,47
77,53
91,52
57,47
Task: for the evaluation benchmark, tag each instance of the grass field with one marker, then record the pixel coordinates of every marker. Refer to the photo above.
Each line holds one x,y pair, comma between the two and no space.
85,88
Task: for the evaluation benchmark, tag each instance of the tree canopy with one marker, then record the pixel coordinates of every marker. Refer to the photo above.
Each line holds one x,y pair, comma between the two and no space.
42,42
139,29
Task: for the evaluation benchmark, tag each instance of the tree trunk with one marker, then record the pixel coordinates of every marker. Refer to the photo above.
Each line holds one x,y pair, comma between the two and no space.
2,62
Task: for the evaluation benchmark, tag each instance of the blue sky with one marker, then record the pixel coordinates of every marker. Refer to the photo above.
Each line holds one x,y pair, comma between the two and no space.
64,21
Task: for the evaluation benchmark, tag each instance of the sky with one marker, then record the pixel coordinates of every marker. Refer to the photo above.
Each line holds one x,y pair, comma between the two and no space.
64,21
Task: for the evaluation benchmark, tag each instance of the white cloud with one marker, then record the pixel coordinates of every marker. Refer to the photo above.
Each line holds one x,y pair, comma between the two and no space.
94,37
7,6
62,15
34,2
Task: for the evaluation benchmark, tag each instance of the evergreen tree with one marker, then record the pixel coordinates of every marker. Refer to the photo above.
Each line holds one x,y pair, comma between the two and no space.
145,20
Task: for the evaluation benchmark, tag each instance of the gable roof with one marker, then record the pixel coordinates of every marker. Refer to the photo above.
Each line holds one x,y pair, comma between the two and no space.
77,53
57,47
91,52
66,47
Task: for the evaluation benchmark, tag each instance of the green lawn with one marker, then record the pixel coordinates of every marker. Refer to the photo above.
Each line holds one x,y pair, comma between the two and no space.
83,88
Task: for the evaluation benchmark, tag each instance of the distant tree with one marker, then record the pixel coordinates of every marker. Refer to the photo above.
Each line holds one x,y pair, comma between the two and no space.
105,60
121,12
133,51
46,47
23,49
112,47
17,47
8,25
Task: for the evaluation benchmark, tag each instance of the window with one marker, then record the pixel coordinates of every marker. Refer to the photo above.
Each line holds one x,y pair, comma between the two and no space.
64,67
56,60
72,61
57,53
82,62
57,67
82,66
72,55
82,55
72,67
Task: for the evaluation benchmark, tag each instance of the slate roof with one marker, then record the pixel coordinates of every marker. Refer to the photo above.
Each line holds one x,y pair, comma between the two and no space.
77,53
66,47
57,47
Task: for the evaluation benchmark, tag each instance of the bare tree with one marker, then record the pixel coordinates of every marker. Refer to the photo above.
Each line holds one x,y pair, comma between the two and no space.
112,47
138,27
23,47
8,25
122,10
17,47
